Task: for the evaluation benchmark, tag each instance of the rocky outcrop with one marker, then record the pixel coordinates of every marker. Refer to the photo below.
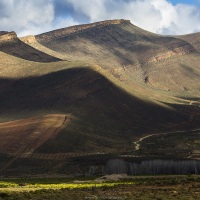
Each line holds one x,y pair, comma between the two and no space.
8,37
76,29
161,56
175,49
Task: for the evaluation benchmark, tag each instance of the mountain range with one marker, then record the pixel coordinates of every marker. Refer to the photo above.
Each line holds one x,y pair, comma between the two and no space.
84,94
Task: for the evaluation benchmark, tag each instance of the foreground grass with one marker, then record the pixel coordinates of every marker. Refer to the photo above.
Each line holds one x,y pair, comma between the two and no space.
140,188
11,186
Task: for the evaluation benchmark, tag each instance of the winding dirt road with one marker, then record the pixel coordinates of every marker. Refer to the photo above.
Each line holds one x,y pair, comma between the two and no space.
137,143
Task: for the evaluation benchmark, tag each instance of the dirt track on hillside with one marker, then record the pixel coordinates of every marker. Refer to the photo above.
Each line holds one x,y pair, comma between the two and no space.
137,143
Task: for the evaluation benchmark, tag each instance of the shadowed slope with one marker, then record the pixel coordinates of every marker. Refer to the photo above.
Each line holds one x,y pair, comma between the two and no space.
10,44
193,39
102,115
20,138
24,136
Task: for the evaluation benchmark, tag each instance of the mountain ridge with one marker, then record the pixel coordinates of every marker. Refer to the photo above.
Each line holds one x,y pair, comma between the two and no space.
78,28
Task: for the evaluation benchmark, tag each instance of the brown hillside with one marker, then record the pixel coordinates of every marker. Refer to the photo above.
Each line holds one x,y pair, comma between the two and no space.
10,44
20,138
115,82
193,39
130,53
30,132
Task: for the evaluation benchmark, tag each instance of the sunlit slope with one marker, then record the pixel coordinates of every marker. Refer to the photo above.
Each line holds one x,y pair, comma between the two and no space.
130,54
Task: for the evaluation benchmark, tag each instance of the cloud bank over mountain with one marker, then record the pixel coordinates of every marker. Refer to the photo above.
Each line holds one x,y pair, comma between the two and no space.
158,16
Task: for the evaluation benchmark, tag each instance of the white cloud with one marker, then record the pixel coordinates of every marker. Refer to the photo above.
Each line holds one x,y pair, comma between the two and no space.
188,19
158,16
28,17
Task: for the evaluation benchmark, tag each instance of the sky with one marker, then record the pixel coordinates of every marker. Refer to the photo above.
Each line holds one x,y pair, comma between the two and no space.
32,17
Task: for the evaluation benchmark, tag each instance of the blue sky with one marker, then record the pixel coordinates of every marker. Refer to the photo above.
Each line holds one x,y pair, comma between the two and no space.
190,2
30,17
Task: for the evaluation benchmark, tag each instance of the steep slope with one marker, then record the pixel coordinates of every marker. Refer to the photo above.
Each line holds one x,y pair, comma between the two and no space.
10,44
130,54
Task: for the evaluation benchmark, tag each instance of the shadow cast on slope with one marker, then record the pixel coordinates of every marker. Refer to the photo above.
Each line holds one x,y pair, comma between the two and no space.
21,50
104,116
